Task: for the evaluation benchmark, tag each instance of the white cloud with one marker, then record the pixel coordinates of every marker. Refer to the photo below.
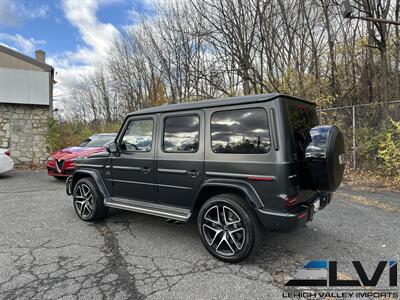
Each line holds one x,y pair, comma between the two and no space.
39,12
67,73
96,41
97,36
20,43
14,13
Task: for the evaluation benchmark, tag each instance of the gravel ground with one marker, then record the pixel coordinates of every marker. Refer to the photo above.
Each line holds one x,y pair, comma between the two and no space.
47,252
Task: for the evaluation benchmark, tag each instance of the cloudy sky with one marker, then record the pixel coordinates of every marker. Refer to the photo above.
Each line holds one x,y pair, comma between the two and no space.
75,34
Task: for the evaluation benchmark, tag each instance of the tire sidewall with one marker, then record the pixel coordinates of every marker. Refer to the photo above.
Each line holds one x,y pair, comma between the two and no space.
246,220
89,183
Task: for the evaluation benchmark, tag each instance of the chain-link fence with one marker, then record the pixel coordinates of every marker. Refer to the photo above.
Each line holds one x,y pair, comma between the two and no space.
365,129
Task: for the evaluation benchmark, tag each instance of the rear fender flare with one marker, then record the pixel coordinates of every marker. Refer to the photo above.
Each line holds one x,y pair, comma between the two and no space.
95,175
243,186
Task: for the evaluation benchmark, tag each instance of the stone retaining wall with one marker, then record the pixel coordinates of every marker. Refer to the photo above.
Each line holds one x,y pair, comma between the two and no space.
23,129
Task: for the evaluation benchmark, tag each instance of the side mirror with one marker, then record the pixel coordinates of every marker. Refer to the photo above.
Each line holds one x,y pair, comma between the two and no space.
112,148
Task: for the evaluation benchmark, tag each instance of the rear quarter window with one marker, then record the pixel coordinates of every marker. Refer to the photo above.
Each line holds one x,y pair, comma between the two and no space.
303,118
242,131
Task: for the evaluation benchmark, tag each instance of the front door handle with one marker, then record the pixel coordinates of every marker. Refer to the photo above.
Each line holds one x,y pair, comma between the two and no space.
193,173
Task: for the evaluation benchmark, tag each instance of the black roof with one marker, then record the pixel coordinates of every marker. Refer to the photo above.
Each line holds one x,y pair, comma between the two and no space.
25,58
214,103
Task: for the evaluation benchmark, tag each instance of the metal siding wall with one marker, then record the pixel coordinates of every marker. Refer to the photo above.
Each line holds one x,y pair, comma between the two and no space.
24,87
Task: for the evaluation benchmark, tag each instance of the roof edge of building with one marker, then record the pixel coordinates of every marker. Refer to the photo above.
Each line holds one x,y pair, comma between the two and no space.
26,58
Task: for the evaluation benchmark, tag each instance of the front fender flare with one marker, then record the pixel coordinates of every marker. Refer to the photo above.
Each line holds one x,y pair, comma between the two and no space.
95,175
240,185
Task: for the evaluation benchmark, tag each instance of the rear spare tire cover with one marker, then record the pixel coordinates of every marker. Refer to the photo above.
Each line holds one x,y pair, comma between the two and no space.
325,158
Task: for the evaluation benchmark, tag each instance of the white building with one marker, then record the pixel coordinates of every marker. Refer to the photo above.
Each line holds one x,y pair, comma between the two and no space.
26,100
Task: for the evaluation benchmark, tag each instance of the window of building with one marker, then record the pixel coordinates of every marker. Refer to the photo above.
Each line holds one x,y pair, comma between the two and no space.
181,134
240,131
138,136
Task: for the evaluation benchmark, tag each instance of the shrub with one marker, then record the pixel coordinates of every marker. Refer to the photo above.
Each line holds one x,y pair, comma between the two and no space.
66,134
389,151
53,135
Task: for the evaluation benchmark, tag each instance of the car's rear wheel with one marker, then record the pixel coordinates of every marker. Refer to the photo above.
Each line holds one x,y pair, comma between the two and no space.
228,227
87,200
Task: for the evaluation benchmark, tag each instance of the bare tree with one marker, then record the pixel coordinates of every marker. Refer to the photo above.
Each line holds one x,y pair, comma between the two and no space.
191,49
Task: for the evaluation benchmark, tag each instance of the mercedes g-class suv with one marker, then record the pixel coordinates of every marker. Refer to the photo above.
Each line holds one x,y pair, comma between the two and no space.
235,166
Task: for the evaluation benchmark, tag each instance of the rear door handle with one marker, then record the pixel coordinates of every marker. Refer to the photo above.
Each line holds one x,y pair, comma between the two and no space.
193,173
145,170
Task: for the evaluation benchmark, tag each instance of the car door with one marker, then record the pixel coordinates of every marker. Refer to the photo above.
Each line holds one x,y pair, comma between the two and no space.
180,157
132,169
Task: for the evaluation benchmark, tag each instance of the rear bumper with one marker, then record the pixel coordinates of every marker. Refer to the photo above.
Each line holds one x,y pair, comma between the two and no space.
289,221
6,164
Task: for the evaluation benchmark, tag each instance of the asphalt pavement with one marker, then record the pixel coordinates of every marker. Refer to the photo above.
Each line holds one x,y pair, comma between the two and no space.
47,252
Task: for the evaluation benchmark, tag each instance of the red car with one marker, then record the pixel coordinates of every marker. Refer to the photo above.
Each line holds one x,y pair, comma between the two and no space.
61,163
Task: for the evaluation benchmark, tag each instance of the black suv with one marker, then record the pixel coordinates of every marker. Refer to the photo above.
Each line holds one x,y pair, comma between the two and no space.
234,165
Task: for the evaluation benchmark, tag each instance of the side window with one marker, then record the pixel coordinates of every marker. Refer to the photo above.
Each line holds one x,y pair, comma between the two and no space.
138,136
243,131
181,134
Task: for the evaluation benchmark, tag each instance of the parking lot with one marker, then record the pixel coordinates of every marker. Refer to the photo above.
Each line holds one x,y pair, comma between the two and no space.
47,252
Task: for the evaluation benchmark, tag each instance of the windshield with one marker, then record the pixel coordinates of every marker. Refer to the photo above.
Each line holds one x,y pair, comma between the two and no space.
100,141
303,118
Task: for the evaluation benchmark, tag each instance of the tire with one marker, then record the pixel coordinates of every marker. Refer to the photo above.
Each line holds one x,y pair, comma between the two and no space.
60,178
231,241
325,158
88,201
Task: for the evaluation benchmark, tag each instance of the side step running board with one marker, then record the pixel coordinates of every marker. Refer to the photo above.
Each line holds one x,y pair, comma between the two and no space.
159,210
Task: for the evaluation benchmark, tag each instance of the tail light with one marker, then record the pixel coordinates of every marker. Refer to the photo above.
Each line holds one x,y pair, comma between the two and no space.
260,178
8,153
291,201
302,215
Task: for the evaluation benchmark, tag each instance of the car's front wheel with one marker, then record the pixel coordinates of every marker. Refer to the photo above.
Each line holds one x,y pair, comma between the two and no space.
87,200
228,227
